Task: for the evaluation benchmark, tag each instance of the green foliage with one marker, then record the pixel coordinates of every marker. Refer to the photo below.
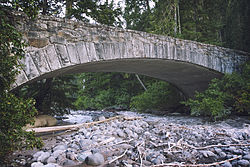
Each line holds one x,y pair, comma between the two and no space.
223,97
159,96
104,13
136,14
14,112
163,19
53,96
106,89
10,50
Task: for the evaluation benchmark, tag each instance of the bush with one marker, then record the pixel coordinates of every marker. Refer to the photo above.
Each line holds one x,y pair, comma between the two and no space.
159,96
224,97
14,112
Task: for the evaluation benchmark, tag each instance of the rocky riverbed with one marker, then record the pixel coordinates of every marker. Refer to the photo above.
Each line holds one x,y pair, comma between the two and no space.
134,139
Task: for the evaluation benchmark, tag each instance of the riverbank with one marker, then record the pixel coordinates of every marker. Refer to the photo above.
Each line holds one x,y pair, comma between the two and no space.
136,139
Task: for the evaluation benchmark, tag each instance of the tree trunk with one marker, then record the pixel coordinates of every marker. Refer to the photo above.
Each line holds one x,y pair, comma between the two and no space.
179,17
45,7
69,4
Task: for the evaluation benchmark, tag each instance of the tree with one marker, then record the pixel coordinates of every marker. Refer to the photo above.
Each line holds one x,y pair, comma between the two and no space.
53,96
137,14
14,112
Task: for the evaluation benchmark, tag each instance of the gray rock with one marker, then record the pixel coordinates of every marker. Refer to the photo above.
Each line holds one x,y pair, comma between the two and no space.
51,159
71,155
218,150
95,159
157,161
37,154
247,157
208,154
43,157
231,149
85,143
82,156
60,147
51,165
226,164
61,159
57,153
243,163
75,146
120,133
58,138
222,155
37,164
147,133
101,118
68,162
129,132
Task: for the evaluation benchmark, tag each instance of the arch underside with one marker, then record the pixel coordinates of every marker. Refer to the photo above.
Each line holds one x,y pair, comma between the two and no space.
185,76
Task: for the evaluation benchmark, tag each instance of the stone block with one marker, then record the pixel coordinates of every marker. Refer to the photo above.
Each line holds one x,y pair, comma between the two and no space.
99,51
73,54
82,52
38,42
62,54
52,58
57,40
91,51
29,67
40,61
21,77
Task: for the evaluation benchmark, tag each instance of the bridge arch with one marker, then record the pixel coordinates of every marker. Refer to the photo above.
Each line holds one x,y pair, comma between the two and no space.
59,46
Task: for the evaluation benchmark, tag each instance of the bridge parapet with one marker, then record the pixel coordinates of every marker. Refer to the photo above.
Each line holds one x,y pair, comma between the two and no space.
57,43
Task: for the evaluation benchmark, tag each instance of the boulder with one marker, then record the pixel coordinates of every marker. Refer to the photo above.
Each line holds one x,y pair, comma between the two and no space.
43,120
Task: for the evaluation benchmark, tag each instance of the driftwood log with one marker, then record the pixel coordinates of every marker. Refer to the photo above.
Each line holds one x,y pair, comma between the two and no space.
69,127
77,126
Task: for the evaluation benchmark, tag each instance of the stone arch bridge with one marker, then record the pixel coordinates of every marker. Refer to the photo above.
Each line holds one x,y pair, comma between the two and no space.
59,46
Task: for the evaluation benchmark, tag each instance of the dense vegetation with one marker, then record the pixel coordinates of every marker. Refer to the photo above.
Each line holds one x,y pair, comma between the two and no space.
224,23
15,112
229,95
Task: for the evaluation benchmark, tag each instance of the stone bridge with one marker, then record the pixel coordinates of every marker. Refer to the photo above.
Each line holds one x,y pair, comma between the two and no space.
59,46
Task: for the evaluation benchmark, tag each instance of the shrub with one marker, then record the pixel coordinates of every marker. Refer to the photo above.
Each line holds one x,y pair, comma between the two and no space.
223,97
159,96
14,112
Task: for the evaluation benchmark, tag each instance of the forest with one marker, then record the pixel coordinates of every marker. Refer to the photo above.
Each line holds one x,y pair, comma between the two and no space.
224,23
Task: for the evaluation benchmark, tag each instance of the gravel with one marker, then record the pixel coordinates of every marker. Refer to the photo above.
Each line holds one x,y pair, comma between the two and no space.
147,140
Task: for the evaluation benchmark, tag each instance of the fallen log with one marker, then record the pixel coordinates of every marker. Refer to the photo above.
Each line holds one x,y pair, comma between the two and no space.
69,127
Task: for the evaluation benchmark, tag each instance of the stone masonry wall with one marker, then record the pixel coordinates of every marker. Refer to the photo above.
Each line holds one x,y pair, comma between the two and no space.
56,43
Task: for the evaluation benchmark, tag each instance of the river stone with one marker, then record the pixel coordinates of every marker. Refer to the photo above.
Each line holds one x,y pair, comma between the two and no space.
43,157
37,154
71,155
85,143
120,133
243,163
57,153
101,118
227,164
222,155
51,165
95,159
60,147
37,164
69,162
74,146
247,157
82,156
208,154
51,159
218,150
